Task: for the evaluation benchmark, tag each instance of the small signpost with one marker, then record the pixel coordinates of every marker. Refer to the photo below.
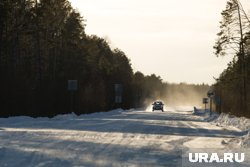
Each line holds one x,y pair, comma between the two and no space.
210,95
118,93
72,87
205,101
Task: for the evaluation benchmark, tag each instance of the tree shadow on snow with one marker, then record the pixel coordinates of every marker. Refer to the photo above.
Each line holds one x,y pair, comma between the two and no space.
66,152
127,126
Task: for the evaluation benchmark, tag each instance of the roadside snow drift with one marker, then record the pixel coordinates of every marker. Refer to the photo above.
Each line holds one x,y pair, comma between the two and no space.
229,121
241,123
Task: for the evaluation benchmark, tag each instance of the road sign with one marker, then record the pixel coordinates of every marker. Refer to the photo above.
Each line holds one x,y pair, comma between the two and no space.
118,99
205,100
217,100
210,94
72,85
118,93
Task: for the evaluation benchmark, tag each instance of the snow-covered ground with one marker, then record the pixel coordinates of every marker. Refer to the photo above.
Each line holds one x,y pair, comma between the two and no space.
242,123
116,138
229,121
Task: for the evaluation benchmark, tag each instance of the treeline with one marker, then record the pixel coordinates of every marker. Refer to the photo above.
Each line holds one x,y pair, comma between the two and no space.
43,45
233,86
147,89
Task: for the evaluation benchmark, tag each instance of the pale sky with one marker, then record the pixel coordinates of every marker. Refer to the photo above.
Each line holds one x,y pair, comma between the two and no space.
171,38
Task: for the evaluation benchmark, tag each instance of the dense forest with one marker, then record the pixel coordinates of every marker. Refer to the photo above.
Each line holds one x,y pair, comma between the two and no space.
43,44
233,86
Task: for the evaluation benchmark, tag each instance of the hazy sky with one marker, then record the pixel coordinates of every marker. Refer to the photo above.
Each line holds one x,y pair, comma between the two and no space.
171,38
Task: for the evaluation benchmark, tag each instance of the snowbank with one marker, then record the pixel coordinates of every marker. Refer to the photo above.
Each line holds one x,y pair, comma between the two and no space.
100,114
65,116
200,112
241,123
206,114
60,117
229,121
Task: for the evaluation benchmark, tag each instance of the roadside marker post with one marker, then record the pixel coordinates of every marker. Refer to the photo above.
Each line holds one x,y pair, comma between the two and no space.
210,95
118,94
205,101
72,87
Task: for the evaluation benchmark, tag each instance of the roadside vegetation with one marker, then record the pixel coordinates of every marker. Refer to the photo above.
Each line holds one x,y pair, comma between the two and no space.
233,86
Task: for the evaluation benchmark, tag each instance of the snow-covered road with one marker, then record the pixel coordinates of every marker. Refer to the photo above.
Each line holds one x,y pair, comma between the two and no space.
116,138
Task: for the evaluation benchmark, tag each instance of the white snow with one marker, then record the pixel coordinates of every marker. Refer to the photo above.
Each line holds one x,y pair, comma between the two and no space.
116,138
229,120
240,124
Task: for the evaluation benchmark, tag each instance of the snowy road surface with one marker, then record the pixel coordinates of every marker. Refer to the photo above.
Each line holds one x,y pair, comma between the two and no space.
116,138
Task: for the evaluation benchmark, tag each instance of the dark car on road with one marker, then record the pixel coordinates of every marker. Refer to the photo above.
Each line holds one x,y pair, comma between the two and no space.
158,105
